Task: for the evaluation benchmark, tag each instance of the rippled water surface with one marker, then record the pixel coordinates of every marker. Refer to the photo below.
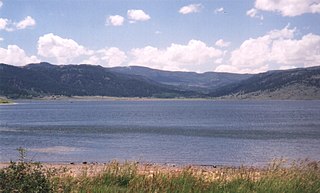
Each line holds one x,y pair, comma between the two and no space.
164,131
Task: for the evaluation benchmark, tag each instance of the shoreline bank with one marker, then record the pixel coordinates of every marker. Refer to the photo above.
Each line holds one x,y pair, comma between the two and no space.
137,177
94,169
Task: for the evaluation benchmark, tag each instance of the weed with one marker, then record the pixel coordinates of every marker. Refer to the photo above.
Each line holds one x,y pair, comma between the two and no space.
24,177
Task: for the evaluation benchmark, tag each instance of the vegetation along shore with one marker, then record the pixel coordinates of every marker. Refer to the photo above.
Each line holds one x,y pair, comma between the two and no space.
5,101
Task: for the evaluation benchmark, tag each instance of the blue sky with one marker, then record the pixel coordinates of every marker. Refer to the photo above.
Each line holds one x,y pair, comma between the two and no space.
213,35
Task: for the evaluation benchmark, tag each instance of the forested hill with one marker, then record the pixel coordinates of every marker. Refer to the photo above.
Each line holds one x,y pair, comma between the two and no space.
44,79
77,80
201,82
300,83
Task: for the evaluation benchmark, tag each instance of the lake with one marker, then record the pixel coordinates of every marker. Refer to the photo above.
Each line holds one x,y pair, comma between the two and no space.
161,131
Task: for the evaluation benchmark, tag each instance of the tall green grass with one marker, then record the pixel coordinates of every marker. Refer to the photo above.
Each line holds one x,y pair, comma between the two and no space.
297,177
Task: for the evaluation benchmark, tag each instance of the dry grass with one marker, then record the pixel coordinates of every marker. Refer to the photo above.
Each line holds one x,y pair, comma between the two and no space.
131,177
279,176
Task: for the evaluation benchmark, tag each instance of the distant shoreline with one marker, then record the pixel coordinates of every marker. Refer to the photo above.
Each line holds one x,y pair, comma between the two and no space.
77,168
3,100
97,98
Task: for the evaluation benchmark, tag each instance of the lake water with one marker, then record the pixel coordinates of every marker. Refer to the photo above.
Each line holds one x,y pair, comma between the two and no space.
164,131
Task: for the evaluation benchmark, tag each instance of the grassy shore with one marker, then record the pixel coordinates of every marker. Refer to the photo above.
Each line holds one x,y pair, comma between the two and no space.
132,177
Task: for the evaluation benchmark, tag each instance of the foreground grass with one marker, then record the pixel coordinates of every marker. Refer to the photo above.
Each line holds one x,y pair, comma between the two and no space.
129,177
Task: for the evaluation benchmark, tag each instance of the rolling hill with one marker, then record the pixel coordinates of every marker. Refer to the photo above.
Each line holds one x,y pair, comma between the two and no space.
300,83
44,79
201,82
77,80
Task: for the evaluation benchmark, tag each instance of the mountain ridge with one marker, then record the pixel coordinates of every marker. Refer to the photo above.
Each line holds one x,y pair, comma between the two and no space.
201,82
304,83
45,79
83,80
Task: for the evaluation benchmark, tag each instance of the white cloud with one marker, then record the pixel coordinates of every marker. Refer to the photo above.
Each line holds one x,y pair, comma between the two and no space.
253,13
286,67
26,22
192,8
3,23
63,50
16,56
289,8
303,53
219,10
137,15
115,20
8,25
66,51
108,57
1,4
195,56
222,43
113,56
284,33
94,60
276,50
226,68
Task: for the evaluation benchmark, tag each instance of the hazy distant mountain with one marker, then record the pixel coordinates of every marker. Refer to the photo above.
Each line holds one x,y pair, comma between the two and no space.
203,82
302,83
82,80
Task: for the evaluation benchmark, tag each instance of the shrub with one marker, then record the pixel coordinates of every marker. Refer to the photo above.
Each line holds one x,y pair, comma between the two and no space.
24,177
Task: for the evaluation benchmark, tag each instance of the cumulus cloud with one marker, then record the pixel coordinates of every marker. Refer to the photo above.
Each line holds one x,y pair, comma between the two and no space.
112,56
108,57
115,20
219,10
26,22
305,51
289,8
135,15
8,25
194,56
276,50
16,56
222,43
192,8
63,50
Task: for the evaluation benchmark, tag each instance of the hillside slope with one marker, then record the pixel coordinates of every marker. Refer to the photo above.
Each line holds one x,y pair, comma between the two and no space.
82,80
44,79
302,83
203,82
